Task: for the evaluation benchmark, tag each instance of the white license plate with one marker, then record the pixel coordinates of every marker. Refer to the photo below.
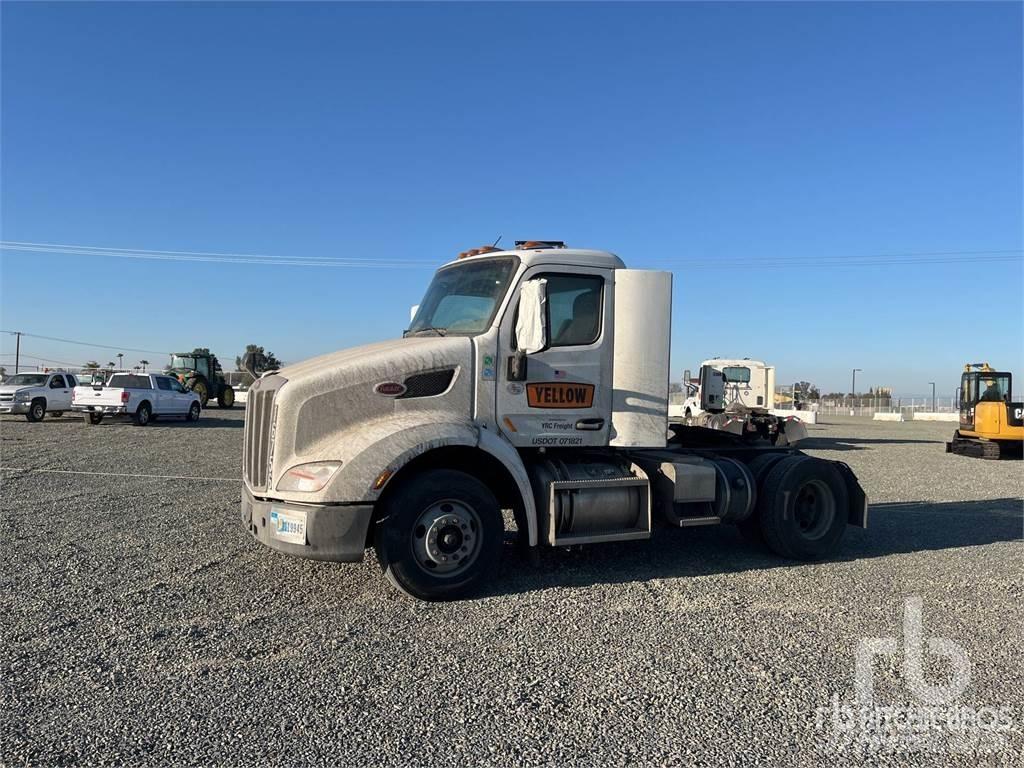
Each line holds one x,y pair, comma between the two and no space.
288,525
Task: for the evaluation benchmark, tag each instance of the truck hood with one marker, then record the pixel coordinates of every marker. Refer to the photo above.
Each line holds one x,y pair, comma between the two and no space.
10,389
322,398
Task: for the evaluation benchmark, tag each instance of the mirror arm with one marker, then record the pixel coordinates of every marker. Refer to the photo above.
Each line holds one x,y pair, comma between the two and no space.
517,366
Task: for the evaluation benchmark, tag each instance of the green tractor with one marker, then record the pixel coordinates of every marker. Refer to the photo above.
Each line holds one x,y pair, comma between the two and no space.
200,372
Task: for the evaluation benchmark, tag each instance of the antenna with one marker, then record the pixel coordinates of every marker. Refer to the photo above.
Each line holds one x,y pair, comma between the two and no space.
495,243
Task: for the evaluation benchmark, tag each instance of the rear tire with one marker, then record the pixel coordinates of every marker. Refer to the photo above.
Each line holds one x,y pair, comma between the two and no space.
93,418
56,414
37,410
750,529
201,388
440,535
804,508
142,414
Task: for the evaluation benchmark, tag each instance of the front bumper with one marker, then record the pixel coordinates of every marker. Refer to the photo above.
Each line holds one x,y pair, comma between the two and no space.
335,532
9,406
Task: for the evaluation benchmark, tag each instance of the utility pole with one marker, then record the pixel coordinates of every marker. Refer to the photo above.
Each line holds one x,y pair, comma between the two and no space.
17,349
853,389
933,395
119,356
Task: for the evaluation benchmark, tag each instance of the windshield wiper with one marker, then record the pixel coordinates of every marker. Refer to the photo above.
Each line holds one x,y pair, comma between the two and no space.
427,329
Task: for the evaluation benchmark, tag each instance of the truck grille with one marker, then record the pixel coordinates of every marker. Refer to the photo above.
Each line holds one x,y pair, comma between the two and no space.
6,398
258,440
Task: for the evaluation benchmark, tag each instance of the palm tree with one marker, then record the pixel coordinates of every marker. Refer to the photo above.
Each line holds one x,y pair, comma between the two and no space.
92,365
144,364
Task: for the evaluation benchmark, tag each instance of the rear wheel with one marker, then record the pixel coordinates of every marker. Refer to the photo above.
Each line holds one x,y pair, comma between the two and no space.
440,535
37,410
226,398
804,508
750,529
200,387
56,414
142,414
93,418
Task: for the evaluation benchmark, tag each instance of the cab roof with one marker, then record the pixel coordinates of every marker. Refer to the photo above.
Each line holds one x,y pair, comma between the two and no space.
551,255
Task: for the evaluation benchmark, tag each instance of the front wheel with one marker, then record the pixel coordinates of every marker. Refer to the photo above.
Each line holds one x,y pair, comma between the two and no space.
226,398
440,535
142,414
37,410
56,414
93,418
193,412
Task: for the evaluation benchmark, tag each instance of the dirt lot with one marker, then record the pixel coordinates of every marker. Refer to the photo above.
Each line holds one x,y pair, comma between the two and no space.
143,625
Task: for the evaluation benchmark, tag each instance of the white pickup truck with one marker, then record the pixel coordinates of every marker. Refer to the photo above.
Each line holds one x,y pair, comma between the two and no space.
141,397
36,394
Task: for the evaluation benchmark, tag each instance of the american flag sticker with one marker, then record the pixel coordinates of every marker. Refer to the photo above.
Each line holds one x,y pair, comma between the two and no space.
560,374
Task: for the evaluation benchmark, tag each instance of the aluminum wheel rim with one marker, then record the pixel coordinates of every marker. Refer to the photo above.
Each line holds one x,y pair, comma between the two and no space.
38,411
814,509
446,538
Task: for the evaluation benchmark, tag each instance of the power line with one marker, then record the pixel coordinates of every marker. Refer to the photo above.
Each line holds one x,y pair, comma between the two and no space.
87,343
911,258
216,258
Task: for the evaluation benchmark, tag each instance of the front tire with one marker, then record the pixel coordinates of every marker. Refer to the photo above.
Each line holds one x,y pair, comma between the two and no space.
193,412
56,414
440,535
37,410
804,508
93,418
226,398
143,414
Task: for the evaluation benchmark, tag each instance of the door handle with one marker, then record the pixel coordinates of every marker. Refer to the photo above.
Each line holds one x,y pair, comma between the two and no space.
590,425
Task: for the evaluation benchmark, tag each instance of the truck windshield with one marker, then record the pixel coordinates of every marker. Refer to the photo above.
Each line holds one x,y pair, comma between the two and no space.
462,299
27,380
183,362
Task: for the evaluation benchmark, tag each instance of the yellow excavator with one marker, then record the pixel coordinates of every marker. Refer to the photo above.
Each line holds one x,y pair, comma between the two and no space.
991,424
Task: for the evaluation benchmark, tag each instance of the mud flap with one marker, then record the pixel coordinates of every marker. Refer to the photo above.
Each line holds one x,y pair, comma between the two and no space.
858,511
793,429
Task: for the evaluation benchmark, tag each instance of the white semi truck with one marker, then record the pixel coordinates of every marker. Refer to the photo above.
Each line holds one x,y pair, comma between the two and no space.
737,395
533,380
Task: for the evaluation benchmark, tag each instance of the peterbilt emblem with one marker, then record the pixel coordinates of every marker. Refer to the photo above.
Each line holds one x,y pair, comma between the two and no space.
390,389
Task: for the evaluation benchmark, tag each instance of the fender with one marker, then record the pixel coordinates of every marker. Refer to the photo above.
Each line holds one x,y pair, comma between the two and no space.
369,450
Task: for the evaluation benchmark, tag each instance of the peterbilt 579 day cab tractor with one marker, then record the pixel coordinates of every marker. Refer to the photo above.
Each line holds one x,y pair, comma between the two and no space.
533,380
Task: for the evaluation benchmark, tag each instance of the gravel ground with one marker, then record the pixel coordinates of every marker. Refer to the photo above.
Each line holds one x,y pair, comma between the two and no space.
144,626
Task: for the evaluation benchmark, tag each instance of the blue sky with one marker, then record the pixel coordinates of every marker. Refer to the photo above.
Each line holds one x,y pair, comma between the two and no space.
672,134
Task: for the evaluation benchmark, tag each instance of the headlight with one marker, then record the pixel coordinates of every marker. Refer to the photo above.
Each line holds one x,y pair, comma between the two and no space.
22,395
308,477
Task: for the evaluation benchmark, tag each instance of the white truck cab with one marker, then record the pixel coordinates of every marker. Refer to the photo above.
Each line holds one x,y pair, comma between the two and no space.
533,379
36,394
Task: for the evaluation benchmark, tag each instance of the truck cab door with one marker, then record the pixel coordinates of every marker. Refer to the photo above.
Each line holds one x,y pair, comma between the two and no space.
59,396
563,397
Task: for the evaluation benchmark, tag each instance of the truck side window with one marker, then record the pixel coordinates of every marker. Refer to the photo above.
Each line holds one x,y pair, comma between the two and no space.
574,309
57,382
163,383
71,381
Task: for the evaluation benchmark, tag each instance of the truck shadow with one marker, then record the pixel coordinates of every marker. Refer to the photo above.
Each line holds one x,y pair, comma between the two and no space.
897,528
856,443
